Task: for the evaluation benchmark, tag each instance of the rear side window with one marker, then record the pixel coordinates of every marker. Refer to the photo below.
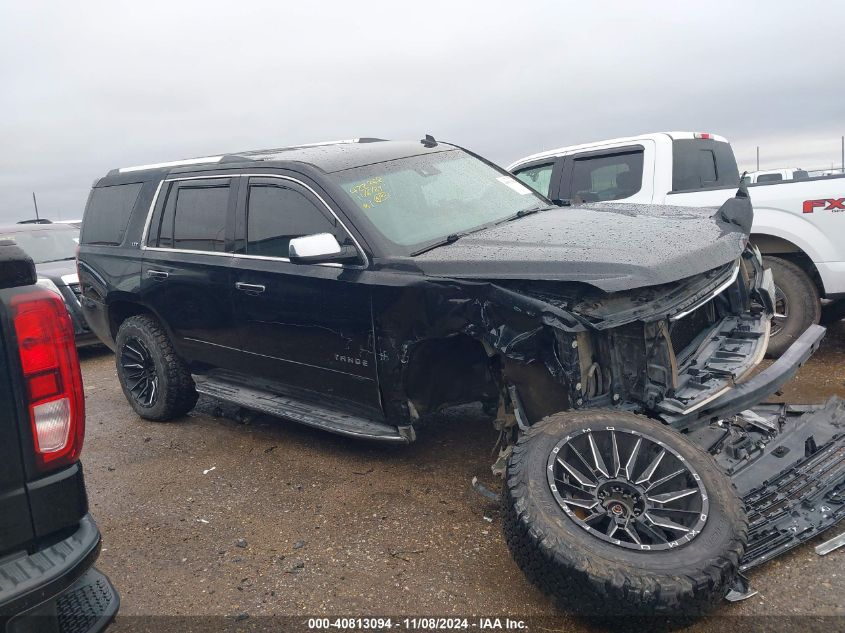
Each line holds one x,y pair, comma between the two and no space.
538,177
612,176
194,218
800,174
107,213
701,164
277,214
769,178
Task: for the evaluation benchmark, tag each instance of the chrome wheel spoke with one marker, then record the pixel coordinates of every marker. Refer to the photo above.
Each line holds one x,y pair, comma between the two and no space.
668,497
632,460
666,523
579,477
597,458
649,471
617,465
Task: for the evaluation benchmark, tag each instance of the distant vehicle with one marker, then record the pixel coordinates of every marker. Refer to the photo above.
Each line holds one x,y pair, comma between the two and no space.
48,540
53,248
799,224
74,223
776,175
77,224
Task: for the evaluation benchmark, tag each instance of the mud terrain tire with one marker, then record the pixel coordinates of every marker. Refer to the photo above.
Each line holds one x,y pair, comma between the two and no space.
802,300
594,577
175,392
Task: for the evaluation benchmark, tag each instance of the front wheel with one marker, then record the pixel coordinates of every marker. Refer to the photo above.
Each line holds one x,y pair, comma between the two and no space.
155,381
613,513
797,304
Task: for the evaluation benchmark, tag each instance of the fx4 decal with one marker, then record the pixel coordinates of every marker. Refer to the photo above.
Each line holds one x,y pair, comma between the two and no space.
830,204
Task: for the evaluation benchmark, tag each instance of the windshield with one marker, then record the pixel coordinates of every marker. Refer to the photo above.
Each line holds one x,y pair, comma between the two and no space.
424,199
46,245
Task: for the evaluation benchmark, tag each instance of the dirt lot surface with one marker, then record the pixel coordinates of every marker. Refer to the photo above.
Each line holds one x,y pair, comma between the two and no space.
214,516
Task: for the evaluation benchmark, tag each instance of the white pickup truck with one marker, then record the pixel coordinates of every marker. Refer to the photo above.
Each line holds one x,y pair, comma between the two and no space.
799,225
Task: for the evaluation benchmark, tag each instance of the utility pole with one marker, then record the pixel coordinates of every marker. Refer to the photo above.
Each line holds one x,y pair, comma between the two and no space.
758,158
35,202
843,154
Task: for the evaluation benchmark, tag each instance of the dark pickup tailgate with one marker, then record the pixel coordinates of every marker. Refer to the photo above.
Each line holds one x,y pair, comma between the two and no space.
48,541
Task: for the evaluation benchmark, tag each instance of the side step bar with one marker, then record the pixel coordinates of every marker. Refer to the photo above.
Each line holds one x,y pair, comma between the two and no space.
310,414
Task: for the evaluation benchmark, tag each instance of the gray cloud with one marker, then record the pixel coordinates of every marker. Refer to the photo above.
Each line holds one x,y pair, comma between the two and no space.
93,85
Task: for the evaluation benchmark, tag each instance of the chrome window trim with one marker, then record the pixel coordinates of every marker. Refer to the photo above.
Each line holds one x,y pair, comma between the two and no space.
145,234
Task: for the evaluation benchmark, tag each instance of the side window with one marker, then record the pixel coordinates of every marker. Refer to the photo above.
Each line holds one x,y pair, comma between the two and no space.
707,167
600,177
107,213
275,215
194,218
769,178
701,164
538,177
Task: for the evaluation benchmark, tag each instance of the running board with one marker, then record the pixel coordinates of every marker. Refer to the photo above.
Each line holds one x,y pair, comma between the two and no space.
296,410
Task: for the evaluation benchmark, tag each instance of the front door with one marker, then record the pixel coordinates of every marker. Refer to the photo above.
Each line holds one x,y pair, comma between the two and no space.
307,326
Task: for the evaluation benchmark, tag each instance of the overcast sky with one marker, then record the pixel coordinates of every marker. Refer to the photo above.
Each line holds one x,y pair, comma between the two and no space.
87,86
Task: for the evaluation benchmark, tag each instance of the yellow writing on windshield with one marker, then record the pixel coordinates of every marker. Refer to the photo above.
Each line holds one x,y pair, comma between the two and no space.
370,192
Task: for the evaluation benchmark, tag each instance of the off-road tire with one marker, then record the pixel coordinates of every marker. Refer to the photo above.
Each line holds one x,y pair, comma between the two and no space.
802,298
593,577
177,393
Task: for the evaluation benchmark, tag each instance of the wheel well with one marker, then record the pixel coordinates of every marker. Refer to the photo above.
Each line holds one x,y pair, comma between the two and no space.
771,245
119,311
448,371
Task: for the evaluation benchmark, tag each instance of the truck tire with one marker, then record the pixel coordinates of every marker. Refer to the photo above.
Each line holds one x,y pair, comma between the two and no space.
595,566
797,297
155,381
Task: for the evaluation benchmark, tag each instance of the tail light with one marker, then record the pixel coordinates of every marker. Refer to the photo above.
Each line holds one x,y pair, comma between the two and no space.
703,135
52,377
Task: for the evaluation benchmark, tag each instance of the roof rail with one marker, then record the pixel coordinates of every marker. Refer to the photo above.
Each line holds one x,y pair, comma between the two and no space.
173,163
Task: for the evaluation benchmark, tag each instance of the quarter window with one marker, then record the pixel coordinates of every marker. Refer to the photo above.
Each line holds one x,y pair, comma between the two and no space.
769,178
277,214
107,213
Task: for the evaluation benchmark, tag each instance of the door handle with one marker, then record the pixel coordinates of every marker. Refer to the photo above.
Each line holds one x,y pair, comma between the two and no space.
255,289
158,274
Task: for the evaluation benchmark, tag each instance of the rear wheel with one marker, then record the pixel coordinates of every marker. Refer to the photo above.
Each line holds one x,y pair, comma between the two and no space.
797,304
613,513
155,381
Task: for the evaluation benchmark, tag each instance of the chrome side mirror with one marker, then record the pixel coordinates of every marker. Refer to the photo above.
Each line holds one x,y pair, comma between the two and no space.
318,248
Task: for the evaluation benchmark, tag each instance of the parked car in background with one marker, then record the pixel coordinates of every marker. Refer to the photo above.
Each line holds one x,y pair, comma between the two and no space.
799,224
53,248
48,540
775,175
360,287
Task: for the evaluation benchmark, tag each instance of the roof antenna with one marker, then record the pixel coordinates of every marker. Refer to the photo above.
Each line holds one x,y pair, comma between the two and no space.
429,141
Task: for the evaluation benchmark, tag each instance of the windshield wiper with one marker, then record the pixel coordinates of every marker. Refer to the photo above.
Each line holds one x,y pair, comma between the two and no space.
449,239
521,214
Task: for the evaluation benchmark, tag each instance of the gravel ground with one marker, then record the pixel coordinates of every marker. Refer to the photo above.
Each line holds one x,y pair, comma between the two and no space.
215,516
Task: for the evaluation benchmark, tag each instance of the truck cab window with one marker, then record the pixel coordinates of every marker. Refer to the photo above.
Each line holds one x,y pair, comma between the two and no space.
277,214
597,178
769,178
195,219
537,177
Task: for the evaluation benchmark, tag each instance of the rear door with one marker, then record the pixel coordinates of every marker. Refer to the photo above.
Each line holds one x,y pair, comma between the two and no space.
609,174
307,326
186,269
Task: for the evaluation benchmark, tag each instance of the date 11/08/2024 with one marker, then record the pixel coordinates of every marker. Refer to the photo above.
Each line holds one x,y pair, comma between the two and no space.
416,624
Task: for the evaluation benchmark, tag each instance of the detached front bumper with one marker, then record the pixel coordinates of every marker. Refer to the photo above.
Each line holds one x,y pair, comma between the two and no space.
754,390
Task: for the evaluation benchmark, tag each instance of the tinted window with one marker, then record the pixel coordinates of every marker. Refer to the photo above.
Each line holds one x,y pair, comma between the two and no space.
601,177
275,215
769,178
107,213
800,174
537,177
195,218
702,163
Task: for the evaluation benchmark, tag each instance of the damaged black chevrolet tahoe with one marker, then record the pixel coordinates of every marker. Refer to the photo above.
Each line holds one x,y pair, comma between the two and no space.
360,287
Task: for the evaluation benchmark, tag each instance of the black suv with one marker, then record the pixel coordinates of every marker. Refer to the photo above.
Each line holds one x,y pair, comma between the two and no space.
361,286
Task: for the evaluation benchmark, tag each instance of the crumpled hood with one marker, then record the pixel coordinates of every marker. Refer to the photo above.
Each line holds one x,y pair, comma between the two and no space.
608,245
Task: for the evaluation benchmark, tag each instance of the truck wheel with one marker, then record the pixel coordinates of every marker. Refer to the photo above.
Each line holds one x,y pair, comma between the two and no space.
155,381
612,514
796,298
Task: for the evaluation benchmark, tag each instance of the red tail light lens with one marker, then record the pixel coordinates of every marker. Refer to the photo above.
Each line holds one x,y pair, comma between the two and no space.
53,379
